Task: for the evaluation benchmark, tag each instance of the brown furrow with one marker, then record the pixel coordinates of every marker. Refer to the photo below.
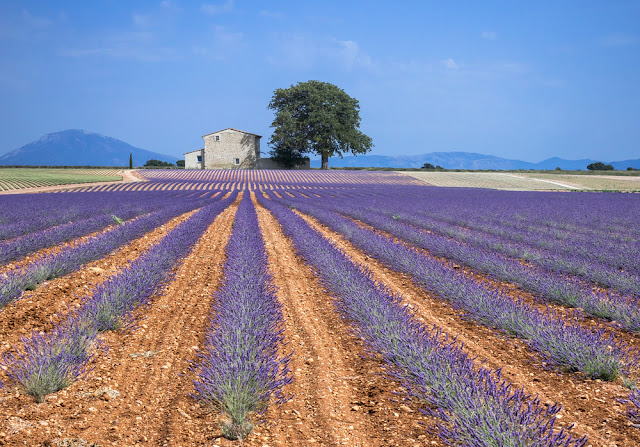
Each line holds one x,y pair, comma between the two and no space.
340,398
589,404
51,301
148,366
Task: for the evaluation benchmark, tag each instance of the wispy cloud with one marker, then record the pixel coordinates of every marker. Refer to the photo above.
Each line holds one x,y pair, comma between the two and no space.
619,40
135,45
306,51
141,20
450,64
352,56
221,8
221,44
271,14
34,21
489,35
170,5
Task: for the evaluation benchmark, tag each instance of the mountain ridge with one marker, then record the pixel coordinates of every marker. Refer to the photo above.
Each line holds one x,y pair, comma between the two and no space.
465,160
77,147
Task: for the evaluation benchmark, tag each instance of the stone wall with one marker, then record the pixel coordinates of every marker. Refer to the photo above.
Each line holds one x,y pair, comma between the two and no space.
230,149
191,159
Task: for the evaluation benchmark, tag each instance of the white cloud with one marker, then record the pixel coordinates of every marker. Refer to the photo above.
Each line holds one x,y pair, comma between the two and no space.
351,55
35,22
271,14
222,8
450,64
221,44
292,51
619,40
135,45
489,35
305,52
141,20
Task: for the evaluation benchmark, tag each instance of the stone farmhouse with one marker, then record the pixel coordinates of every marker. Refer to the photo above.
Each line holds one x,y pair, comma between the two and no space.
230,149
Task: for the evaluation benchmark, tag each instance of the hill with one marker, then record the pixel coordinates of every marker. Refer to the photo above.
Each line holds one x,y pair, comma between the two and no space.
79,148
464,160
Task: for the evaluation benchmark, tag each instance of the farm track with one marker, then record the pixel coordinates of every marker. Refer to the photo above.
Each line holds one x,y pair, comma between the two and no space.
340,398
148,366
49,303
589,404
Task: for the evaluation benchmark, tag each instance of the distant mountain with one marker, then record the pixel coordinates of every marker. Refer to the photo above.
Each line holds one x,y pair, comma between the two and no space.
463,160
79,148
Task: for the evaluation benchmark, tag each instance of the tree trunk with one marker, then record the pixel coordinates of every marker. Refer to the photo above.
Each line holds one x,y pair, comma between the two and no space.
325,161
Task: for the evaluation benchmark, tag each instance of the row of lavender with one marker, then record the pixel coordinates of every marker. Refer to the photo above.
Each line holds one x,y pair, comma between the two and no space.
23,214
21,246
241,368
601,257
14,282
606,233
547,285
49,362
561,342
477,408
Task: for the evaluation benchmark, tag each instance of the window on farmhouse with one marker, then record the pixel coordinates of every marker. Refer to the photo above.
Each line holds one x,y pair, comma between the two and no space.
217,137
237,161
200,158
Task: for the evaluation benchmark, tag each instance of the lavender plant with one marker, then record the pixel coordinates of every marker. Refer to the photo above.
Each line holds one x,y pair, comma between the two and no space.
547,285
17,248
241,370
477,408
564,344
52,266
50,362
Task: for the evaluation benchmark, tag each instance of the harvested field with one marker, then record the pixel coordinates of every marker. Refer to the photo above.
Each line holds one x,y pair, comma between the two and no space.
23,178
492,180
306,308
592,181
529,181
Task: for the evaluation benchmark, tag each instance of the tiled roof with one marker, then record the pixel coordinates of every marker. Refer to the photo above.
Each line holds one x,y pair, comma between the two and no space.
231,128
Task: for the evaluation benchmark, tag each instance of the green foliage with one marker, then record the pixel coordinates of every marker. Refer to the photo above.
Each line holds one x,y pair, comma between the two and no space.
287,157
157,163
430,167
558,168
180,163
316,117
130,160
599,166
117,220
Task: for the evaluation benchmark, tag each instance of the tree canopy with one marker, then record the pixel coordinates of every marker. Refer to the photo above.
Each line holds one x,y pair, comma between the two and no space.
599,166
157,163
315,117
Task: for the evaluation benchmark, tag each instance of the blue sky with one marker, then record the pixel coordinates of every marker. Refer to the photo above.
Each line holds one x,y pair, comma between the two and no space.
524,80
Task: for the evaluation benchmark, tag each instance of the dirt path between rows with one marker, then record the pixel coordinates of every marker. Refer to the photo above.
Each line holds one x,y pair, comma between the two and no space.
128,176
138,392
41,309
589,404
340,398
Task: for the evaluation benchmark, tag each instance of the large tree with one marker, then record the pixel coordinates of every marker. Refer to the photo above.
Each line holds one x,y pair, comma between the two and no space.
316,117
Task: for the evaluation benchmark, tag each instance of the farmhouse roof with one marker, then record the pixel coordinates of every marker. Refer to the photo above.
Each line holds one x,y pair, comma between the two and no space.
190,152
231,128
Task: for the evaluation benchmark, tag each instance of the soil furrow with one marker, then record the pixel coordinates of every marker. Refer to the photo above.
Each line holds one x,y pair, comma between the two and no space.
340,398
138,393
589,404
51,301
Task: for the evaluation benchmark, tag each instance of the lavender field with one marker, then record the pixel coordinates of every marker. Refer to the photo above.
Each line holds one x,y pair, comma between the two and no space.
341,308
